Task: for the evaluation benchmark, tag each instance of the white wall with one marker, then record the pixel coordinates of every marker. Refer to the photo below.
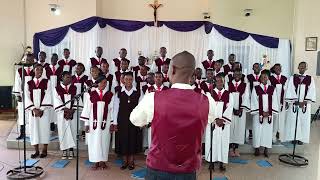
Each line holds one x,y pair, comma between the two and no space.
12,38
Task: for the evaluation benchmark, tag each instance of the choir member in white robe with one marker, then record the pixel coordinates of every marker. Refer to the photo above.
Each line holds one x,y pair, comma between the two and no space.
208,84
117,61
150,83
42,56
228,68
141,77
105,71
17,91
159,62
240,93
280,82
97,114
66,115
300,95
264,104
253,80
124,65
67,63
141,64
98,59
221,126
165,69
209,62
38,101
218,67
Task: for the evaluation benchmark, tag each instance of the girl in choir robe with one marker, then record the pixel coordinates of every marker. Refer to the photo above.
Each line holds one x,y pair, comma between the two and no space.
208,84
150,83
97,115
142,64
67,64
53,72
98,60
17,91
66,115
218,67
300,95
221,126
240,93
141,77
208,63
253,80
79,79
117,61
280,83
38,101
264,104
105,71
128,136
165,69
159,62
228,67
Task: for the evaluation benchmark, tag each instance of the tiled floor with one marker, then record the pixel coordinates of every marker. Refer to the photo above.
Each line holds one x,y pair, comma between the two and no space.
250,171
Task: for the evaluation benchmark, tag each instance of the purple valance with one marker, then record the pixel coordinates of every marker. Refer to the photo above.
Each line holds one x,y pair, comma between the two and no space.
55,36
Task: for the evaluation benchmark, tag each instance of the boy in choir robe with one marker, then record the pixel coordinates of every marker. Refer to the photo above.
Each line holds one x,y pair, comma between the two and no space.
38,101
96,61
301,93
165,69
240,93
17,91
128,136
230,76
142,63
66,115
53,73
208,84
280,83
67,64
208,63
141,77
42,59
228,67
79,78
218,67
264,104
198,76
97,115
221,126
94,72
117,61
159,62
150,82
253,80
105,71
124,65
194,84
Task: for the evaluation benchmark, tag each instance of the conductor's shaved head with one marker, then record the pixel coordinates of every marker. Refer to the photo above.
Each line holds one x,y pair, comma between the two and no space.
181,68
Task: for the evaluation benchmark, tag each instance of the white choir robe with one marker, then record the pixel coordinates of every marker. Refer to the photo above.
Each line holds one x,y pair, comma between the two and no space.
98,140
220,138
17,91
67,129
53,114
262,133
304,118
280,118
238,125
39,127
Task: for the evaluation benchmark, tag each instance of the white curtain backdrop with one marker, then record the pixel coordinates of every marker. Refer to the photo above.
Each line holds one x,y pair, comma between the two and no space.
148,40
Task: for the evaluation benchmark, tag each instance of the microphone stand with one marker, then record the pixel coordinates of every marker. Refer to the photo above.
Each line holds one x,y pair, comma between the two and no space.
211,166
77,98
293,159
24,172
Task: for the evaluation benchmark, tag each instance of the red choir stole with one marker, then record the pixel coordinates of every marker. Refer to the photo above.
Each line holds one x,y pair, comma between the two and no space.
71,63
95,97
207,64
53,71
159,62
224,97
279,80
205,87
252,78
241,88
97,62
43,85
72,90
227,69
27,72
117,63
261,92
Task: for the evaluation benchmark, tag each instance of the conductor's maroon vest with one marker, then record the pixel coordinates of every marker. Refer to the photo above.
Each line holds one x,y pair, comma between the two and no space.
180,117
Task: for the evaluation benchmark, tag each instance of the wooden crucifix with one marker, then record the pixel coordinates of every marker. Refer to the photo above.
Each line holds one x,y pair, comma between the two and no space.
155,7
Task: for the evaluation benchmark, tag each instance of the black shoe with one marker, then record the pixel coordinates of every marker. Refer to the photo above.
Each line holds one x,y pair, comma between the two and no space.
211,166
43,155
35,155
22,133
300,143
71,154
131,167
266,153
21,136
124,166
64,154
250,134
52,127
222,167
257,152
